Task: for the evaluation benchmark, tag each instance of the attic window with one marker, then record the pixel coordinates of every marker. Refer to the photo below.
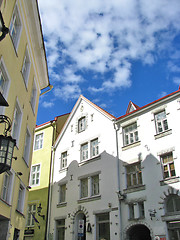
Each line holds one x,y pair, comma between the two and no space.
81,124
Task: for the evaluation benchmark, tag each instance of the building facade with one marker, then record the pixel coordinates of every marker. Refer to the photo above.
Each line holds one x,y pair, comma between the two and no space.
23,74
117,178
148,143
45,135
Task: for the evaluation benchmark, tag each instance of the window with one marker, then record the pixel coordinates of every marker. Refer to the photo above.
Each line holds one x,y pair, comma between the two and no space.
161,122
173,204
174,230
16,126
84,187
134,174
63,160
62,198
16,234
131,211
130,134
26,67
141,209
95,185
84,152
94,148
35,175
21,196
33,96
30,215
38,141
7,187
27,146
103,226
168,165
81,124
61,229
4,81
15,27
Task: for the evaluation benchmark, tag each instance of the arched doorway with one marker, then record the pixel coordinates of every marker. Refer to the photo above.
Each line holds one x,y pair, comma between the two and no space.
139,232
80,226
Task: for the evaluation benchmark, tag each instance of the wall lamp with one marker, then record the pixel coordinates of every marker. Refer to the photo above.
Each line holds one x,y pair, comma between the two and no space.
7,144
121,196
39,209
3,29
152,213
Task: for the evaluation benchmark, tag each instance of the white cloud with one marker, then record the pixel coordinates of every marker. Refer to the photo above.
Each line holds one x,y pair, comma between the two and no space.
67,92
176,80
106,36
47,104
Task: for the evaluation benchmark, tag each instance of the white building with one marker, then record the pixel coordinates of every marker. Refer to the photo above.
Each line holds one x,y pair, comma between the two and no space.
149,153
117,178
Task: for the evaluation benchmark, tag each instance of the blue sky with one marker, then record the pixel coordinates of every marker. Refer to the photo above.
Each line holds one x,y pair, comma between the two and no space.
110,51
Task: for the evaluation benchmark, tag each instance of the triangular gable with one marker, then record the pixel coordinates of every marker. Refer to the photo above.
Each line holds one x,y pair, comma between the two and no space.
81,97
131,107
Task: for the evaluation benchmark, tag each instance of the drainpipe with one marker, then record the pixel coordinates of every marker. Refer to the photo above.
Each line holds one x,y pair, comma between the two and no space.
118,182
48,214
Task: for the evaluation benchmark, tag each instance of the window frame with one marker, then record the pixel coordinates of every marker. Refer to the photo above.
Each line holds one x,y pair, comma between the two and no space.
167,164
94,147
172,198
84,188
130,134
35,173
62,193
21,198
95,185
30,218
161,121
104,222
33,96
17,120
81,124
135,176
84,152
26,66
15,27
27,146
40,141
63,160
5,88
8,188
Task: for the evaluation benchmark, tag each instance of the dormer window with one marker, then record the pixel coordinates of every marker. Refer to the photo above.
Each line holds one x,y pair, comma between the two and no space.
81,124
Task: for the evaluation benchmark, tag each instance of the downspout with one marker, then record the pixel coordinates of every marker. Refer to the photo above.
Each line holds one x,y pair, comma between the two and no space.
118,182
48,214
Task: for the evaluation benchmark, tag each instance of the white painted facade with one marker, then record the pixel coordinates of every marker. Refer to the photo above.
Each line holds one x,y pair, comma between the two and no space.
156,189
99,125
148,202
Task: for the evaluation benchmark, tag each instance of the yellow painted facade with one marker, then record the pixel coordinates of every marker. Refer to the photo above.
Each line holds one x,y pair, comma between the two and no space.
23,74
40,177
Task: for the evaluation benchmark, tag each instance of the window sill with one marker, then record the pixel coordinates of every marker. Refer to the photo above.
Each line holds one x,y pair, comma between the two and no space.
9,205
20,213
134,189
163,134
89,199
168,217
63,170
136,219
169,181
63,204
90,160
131,145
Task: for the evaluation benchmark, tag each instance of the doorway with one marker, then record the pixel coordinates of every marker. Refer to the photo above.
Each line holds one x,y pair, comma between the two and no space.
80,226
139,232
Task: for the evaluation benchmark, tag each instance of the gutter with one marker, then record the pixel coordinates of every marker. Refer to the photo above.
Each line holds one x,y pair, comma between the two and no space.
50,87
47,231
118,182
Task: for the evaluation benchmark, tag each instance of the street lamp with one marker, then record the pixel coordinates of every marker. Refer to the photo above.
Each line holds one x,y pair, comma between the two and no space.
3,29
39,209
7,144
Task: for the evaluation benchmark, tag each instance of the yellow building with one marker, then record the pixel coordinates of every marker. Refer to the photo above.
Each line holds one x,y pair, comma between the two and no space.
23,76
45,135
